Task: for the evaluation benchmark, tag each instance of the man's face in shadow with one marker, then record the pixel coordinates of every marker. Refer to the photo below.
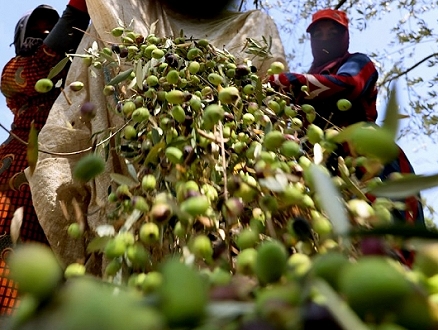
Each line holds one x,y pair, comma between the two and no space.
39,28
197,8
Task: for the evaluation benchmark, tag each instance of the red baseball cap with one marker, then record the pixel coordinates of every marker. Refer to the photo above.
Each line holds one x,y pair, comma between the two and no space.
338,16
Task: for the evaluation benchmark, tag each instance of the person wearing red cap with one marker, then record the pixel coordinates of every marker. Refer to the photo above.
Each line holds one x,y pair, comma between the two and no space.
337,74
41,40
334,74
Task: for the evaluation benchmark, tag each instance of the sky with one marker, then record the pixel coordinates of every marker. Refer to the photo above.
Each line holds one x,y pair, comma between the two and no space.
423,156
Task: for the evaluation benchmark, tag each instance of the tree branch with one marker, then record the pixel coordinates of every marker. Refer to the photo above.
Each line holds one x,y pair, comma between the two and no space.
339,5
410,69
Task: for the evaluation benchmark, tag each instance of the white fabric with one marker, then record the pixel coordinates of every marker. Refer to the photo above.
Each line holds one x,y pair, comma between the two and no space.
52,182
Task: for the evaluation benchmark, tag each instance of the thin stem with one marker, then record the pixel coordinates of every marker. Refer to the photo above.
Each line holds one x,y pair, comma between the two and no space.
224,168
66,154
409,69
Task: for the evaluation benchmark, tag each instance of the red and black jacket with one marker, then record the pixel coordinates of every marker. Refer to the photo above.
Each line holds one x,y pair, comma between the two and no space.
352,77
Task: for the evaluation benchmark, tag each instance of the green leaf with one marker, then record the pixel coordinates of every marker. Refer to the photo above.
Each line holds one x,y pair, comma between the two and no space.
157,135
32,148
343,314
331,200
229,310
390,123
58,68
122,179
132,219
139,74
277,184
153,153
121,77
97,244
410,185
352,187
268,127
105,57
132,171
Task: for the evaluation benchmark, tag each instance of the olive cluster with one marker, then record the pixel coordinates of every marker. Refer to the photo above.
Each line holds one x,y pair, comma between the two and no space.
222,161
214,147
224,176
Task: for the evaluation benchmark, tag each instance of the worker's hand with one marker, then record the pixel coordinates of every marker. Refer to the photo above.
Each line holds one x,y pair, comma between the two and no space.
279,80
79,5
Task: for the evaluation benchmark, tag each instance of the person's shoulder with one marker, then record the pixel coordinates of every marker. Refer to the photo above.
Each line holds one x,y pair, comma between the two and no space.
361,60
359,57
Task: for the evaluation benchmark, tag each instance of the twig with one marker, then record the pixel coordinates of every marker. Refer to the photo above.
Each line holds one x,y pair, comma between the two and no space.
410,69
241,4
270,224
93,36
211,138
224,165
13,135
65,154
339,5
66,97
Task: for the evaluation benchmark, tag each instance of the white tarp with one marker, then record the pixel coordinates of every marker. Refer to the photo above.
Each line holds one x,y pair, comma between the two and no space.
52,181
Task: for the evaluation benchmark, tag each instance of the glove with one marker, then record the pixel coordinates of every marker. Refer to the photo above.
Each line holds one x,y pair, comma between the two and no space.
79,5
279,80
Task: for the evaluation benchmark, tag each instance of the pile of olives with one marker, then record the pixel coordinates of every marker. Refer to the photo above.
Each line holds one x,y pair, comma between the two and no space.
225,205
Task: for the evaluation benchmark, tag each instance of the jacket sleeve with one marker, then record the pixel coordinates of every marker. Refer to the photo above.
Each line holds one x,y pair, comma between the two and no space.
352,79
68,32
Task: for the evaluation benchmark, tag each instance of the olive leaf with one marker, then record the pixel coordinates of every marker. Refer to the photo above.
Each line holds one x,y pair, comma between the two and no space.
343,314
139,74
157,134
123,179
351,186
331,200
229,310
132,219
58,68
317,154
16,223
153,153
409,185
256,48
97,244
105,57
122,76
276,184
32,148
390,123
